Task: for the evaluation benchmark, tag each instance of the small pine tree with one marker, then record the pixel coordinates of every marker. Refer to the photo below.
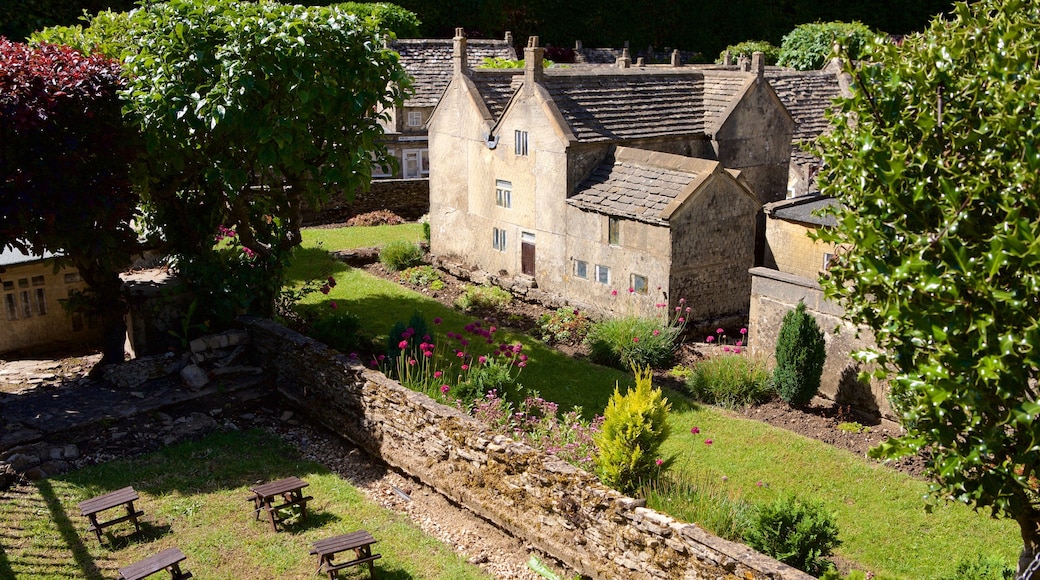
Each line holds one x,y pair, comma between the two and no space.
634,427
800,354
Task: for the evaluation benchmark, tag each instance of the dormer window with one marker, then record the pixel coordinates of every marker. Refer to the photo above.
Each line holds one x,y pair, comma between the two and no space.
520,142
415,118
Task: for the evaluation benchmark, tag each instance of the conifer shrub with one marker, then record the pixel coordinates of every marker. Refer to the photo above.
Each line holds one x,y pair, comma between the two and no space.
400,255
634,427
798,533
800,354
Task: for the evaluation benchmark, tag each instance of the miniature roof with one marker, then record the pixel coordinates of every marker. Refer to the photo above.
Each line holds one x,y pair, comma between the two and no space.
641,185
429,63
802,209
10,256
807,96
610,104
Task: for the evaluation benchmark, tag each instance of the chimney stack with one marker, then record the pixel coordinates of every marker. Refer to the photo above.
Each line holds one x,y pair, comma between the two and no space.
758,64
509,38
676,61
533,55
727,59
625,61
458,56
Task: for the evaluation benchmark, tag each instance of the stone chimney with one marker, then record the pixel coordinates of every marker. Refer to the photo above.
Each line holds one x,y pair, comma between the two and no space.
640,62
676,61
458,55
744,64
509,38
758,64
625,61
727,59
533,55
577,45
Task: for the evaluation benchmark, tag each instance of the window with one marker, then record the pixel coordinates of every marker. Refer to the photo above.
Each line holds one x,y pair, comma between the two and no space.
38,280
72,278
415,118
416,163
378,170
614,231
11,306
602,274
503,193
638,284
498,241
520,142
8,286
41,302
581,269
25,303
827,261
23,282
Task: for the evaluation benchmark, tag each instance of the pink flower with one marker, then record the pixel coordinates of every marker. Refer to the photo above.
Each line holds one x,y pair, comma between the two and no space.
681,320
427,353
411,362
460,354
437,374
437,320
332,305
682,301
445,388
758,483
325,289
465,367
736,350
631,290
402,344
743,331
523,358
635,339
659,461
719,331
332,281
688,310
249,253
482,359
521,364
725,349
656,332
695,430
710,339
613,292
708,441
740,343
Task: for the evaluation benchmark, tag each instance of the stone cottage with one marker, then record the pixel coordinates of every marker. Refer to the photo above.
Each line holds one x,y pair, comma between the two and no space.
33,317
589,180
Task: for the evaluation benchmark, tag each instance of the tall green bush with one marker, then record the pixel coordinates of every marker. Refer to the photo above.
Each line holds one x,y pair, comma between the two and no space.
748,47
634,427
400,255
798,533
800,354
633,341
809,46
731,381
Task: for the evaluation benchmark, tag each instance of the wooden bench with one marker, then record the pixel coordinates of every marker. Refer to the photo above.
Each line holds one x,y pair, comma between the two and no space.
290,490
120,497
168,560
359,541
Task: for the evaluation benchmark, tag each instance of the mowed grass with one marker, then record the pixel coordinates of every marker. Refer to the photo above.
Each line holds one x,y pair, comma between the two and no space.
194,496
881,513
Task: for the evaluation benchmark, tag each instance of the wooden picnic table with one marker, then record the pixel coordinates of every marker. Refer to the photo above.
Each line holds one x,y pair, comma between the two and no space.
290,490
120,497
359,541
168,560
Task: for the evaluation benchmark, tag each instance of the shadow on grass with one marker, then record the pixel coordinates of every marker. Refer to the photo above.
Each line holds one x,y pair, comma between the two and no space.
120,537
5,564
80,554
312,264
314,521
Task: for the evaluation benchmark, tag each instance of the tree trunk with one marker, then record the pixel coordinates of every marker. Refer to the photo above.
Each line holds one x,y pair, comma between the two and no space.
1029,524
109,306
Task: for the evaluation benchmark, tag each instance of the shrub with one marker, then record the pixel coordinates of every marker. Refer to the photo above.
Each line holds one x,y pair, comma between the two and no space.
633,341
537,423
731,381
399,255
798,533
483,298
564,326
808,46
419,275
800,354
746,48
702,500
376,218
634,427
980,567
340,331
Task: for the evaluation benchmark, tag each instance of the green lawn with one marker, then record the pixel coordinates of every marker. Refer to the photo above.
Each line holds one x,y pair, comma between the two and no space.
880,512
194,496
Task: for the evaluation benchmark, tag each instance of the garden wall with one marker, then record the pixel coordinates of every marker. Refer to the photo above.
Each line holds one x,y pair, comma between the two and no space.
773,294
557,508
408,198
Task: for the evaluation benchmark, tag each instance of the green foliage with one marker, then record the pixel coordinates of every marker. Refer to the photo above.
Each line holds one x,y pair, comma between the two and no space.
809,46
634,427
731,381
564,326
483,299
496,62
940,217
419,275
633,341
748,47
538,423
403,23
800,354
404,333
400,255
702,499
980,567
798,533
340,331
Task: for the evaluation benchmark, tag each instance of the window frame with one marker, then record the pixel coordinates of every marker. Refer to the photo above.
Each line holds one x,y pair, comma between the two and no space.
613,231
600,271
412,115
636,289
520,142
581,269
421,157
498,239
504,194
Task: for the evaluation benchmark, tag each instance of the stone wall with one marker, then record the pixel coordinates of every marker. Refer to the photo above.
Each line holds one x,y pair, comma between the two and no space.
773,294
557,508
408,198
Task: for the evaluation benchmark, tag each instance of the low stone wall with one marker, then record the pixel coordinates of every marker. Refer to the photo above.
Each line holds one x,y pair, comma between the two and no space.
773,294
557,508
408,198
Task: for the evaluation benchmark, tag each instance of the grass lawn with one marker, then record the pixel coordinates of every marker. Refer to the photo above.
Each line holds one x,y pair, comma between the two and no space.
881,513
194,496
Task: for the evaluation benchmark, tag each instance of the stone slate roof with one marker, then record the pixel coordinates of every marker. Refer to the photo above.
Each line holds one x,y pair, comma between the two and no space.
802,209
640,185
429,63
496,87
807,96
609,104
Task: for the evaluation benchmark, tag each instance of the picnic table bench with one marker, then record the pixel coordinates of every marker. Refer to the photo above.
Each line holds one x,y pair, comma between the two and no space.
166,560
120,497
290,490
359,541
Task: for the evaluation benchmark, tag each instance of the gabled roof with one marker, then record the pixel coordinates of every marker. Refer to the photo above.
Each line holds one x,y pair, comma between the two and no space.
429,63
642,185
611,104
807,96
803,209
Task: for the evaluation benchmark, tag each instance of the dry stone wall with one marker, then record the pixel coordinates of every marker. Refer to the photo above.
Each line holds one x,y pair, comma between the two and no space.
557,508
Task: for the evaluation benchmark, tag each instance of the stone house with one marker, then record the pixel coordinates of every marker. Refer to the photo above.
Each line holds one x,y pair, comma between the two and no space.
33,318
589,180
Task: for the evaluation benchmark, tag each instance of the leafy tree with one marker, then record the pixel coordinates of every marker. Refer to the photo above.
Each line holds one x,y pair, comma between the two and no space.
248,111
808,46
935,159
749,47
65,155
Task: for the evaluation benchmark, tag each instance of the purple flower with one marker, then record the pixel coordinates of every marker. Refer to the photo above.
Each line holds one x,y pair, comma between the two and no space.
708,441
695,430
710,339
719,331
613,292
437,374
445,388
332,305
743,331
325,289
658,461
437,320
332,281
482,359
403,344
